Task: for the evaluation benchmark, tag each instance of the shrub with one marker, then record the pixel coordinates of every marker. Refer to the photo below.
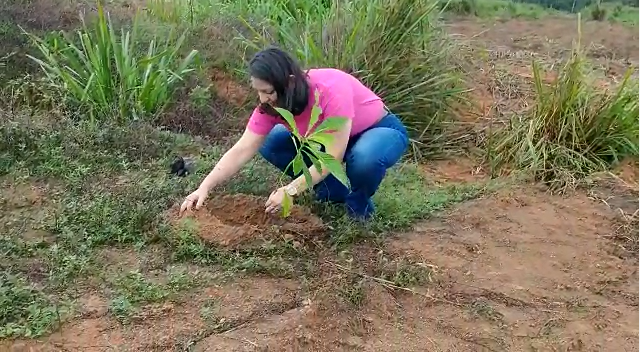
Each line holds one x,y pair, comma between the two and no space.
598,12
102,72
574,128
394,46
459,7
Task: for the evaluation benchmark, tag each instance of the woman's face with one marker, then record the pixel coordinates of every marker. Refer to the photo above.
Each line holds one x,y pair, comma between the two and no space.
266,92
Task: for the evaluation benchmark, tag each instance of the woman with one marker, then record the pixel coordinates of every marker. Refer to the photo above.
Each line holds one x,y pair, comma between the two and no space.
371,141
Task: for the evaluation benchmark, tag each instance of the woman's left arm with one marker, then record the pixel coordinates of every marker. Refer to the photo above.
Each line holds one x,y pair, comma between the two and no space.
338,103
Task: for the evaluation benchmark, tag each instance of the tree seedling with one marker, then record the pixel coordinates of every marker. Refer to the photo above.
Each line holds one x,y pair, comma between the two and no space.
311,145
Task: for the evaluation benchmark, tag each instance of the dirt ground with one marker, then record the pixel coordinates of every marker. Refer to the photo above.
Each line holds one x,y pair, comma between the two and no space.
518,270
500,54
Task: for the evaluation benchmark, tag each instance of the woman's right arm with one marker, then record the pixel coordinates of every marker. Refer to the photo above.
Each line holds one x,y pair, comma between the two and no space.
233,160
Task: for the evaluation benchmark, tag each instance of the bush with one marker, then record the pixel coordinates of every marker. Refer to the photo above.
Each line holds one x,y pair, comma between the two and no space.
459,7
575,127
598,12
101,72
396,47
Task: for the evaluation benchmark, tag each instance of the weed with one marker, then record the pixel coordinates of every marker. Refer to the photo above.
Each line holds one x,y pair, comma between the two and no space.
24,310
353,291
598,12
482,308
209,311
102,74
574,128
402,271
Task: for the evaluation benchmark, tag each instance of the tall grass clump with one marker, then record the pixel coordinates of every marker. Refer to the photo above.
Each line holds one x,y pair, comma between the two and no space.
575,127
396,47
108,74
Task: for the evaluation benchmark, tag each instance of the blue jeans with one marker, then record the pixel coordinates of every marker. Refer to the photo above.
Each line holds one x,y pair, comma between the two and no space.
368,156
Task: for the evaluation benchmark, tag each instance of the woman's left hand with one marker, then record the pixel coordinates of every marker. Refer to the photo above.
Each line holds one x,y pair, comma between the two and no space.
274,203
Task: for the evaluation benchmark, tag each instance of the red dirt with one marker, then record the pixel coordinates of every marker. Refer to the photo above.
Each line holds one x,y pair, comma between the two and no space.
553,36
500,54
460,170
543,266
519,270
228,89
240,221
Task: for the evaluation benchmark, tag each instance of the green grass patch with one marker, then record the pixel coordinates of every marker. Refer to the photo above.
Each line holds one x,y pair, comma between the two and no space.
491,9
100,71
26,311
132,290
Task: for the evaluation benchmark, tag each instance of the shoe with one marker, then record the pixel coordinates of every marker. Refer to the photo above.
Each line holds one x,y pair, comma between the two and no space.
361,213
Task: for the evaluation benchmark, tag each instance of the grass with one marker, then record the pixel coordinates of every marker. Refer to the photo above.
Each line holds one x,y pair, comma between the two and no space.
574,129
395,47
106,185
24,310
102,73
492,9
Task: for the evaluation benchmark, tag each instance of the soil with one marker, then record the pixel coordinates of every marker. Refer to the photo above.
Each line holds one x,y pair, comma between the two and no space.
500,54
519,270
239,221
552,37
460,170
228,89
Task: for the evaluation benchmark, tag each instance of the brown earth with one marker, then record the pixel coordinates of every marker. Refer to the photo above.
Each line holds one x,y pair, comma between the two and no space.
235,221
520,270
500,56
551,37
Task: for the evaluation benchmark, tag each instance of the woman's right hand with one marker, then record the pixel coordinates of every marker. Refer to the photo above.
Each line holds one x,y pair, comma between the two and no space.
196,198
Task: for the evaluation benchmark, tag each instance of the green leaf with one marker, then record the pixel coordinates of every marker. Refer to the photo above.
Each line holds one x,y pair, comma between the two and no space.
331,124
316,110
298,163
312,156
334,166
290,120
324,139
287,204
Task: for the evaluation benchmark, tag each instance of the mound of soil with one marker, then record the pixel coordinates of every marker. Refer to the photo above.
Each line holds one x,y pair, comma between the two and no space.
239,221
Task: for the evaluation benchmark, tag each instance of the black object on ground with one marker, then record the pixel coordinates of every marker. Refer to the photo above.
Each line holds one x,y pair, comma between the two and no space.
181,166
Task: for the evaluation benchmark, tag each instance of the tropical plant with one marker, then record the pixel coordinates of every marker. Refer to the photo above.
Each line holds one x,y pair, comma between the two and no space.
105,73
310,145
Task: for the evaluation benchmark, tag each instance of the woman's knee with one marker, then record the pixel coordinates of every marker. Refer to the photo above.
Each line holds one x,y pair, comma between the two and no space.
364,164
375,152
277,141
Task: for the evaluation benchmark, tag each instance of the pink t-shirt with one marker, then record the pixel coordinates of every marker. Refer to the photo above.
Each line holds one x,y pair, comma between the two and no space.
340,95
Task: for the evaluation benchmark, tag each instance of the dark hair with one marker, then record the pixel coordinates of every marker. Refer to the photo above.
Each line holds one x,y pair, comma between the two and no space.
275,67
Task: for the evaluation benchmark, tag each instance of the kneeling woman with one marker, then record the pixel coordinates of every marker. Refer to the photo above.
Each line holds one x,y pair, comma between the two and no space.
372,140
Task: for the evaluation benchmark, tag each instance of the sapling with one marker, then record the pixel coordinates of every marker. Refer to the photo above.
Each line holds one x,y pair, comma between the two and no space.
311,145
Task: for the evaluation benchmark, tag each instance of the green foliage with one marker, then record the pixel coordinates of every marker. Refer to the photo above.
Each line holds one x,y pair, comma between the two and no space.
395,47
101,72
575,128
495,9
310,145
598,12
24,310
